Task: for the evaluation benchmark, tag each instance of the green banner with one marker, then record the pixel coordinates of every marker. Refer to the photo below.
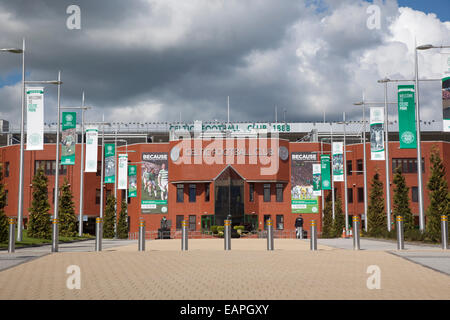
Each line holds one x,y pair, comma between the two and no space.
132,182
407,117
110,163
68,138
325,172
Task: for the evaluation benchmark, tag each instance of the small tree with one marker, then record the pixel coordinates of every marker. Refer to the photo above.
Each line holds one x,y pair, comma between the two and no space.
339,219
122,224
110,217
439,196
4,226
67,218
401,201
376,214
327,221
39,225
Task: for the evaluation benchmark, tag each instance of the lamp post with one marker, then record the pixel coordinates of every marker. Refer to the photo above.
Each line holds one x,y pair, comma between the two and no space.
20,195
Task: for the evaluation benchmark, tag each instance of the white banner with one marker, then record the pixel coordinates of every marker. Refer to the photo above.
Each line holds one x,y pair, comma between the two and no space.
446,91
377,133
123,172
91,150
338,161
317,185
35,118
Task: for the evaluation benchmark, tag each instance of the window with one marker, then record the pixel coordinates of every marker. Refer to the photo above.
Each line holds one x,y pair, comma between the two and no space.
415,194
49,167
207,192
279,187
267,192
6,198
192,192
360,194
251,192
178,221
407,165
180,192
108,193
99,169
349,167
350,195
192,224
124,195
97,196
359,166
6,169
280,222
53,195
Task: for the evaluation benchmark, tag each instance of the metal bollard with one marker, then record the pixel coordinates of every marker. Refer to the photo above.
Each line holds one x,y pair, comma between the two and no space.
184,236
98,234
141,241
444,232
400,235
313,245
356,233
269,234
12,235
227,234
55,234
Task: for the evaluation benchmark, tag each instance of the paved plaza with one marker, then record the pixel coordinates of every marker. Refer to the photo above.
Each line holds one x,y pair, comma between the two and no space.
247,272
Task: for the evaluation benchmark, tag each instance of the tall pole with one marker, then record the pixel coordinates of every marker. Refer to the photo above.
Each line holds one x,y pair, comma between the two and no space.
115,183
365,166
99,226
388,180
321,191
419,149
332,174
345,179
276,114
22,138
80,224
228,109
55,204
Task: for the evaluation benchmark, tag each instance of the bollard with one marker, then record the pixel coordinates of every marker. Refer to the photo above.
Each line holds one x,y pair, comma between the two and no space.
184,236
400,235
313,245
98,234
12,235
141,241
356,233
227,234
444,232
269,234
55,233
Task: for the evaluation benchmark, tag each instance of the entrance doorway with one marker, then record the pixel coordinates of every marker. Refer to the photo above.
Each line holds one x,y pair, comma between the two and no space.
229,197
207,222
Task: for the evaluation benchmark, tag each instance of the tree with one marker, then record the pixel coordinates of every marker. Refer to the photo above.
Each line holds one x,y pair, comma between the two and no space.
39,225
110,217
327,221
439,196
4,225
401,201
122,224
339,219
376,214
67,218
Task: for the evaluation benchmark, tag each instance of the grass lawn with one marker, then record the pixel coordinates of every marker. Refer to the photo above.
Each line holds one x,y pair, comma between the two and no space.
28,241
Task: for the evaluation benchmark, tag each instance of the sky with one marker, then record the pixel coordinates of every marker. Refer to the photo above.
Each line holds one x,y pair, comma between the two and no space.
157,60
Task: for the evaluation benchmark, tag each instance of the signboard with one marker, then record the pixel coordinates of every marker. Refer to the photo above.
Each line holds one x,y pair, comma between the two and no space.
446,92
303,199
132,181
407,117
35,118
317,183
325,172
377,133
122,172
68,138
91,149
338,161
155,182
110,163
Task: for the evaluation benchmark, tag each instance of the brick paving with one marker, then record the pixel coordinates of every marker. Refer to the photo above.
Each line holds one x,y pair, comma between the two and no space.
206,271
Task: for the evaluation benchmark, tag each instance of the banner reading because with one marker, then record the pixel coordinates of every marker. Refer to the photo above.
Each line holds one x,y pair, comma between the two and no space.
446,92
122,172
338,161
91,149
155,182
35,118
303,199
317,183
407,117
377,133
110,163
132,181
68,138
325,168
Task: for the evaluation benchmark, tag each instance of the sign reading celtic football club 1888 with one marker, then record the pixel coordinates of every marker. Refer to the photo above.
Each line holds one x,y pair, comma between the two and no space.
68,138
122,172
132,181
325,172
406,117
338,161
446,92
155,182
35,118
91,149
377,133
110,163
303,199
317,183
